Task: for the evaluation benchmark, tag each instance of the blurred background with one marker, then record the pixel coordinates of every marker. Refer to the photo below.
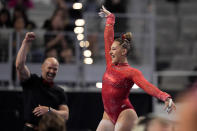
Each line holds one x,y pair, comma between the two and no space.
165,50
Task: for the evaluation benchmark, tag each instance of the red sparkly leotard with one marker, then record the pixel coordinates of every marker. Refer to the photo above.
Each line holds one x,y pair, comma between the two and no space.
118,80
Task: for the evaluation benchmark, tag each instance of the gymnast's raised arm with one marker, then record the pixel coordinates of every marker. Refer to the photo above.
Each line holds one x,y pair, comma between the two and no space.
108,33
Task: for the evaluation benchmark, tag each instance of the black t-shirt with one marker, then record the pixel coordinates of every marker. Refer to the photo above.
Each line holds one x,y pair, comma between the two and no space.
37,92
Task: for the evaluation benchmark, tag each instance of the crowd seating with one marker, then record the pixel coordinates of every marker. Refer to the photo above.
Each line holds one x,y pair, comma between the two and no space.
176,40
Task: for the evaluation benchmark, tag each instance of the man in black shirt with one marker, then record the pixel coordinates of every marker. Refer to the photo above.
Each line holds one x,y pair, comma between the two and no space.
40,93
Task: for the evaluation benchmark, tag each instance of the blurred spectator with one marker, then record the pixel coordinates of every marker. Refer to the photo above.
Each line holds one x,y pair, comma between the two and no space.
63,13
187,113
5,20
67,56
61,4
19,26
52,122
20,12
21,3
57,41
18,34
153,123
52,52
4,46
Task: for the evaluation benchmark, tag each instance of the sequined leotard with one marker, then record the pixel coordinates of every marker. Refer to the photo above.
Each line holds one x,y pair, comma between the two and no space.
118,80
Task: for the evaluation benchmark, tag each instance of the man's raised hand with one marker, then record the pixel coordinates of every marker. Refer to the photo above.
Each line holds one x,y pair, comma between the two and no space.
30,36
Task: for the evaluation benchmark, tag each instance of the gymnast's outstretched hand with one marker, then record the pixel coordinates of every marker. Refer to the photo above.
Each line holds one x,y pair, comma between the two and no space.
169,105
104,12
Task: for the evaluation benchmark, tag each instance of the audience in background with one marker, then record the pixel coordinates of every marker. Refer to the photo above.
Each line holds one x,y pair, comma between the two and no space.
20,12
18,33
22,3
52,122
63,13
5,19
5,23
67,56
19,24
58,44
61,4
56,41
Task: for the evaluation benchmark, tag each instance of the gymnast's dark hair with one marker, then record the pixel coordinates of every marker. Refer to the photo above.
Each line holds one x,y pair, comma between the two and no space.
125,41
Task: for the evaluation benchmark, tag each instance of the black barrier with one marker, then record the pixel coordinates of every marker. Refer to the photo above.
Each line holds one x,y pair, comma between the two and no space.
86,109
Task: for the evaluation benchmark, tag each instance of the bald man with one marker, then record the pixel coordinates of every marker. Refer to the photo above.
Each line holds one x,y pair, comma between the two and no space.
40,93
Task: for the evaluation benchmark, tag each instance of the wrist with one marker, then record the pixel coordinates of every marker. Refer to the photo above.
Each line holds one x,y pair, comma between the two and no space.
26,40
168,99
110,19
109,14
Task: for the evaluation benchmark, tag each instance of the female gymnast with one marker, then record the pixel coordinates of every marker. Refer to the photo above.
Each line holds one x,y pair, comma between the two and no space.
119,77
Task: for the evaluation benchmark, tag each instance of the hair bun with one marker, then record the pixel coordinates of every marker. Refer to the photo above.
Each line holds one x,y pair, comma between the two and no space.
128,36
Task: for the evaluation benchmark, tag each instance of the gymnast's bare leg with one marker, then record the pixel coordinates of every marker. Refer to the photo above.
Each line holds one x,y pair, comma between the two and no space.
126,120
105,124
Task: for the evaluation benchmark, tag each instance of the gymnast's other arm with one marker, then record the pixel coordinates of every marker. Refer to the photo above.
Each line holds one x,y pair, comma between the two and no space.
139,79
